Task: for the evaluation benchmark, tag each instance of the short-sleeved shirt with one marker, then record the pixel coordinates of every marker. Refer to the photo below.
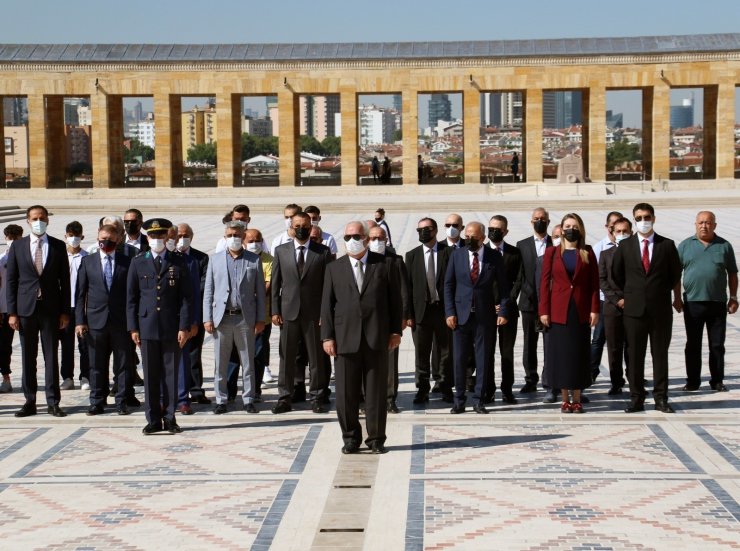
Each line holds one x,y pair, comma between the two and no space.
267,259
705,269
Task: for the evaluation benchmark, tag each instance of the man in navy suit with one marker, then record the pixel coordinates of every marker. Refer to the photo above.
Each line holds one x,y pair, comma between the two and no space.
475,283
159,314
38,297
100,314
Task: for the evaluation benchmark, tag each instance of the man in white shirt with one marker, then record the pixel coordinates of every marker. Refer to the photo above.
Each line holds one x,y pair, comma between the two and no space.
327,239
75,254
285,237
240,213
132,221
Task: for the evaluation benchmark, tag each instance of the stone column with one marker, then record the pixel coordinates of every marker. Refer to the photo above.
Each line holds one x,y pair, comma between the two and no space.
56,142
228,139
2,138
289,142
660,131
532,145
410,135
725,129
595,139
471,135
168,140
38,174
349,150
107,140
647,132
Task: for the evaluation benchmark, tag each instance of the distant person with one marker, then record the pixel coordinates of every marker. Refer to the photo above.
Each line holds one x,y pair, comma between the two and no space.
386,175
75,254
515,167
375,165
380,221
419,168
12,233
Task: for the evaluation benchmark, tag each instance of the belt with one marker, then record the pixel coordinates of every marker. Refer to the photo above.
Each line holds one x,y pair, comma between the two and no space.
472,308
232,312
433,303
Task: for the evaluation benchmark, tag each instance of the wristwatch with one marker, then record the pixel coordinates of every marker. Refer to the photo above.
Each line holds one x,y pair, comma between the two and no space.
733,298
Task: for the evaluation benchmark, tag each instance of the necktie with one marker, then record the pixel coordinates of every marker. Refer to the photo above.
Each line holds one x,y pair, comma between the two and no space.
38,258
301,259
431,279
108,272
358,275
474,271
158,264
645,255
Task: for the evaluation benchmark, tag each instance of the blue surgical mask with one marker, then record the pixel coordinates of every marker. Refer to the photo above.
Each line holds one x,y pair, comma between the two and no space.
38,227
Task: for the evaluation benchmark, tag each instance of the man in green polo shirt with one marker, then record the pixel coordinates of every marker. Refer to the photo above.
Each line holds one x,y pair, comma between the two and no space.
708,266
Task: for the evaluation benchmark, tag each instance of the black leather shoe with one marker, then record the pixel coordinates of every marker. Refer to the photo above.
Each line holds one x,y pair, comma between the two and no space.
480,408
436,389
133,402
26,410
220,409
457,410
282,407
664,406
634,407
251,408
528,389
614,391
392,407
350,448
122,409
56,411
690,388
171,426
719,387
151,429
95,410
202,399
377,447
508,398
316,407
421,397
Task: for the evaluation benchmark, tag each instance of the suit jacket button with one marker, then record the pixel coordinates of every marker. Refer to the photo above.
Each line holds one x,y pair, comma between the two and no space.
160,298
158,288
157,308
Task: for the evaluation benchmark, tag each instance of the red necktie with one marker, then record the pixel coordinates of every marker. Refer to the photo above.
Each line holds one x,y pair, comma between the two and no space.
475,269
645,255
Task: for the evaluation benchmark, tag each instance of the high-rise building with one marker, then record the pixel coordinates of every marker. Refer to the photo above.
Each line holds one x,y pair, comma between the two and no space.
142,131
614,120
71,106
78,144
682,116
138,112
84,116
376,125
257,127
561,109
198,127
316,115
490,109
398,102
15,112
501,109
440,109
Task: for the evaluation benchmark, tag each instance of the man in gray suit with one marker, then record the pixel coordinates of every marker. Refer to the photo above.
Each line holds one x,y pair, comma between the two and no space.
233,312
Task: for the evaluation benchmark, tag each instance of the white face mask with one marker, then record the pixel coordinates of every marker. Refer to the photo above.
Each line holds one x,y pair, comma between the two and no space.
157,245
619,238
73,241
556,242
644,226
287,223
170,244
234,243
377,246
452,232
353,246
255,247
38,227
314,222
183,244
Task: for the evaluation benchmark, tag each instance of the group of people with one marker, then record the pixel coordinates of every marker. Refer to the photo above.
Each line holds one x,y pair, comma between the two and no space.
143,293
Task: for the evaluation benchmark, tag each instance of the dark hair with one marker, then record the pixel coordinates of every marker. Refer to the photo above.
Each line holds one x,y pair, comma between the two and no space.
622,220
301,215
137,212
100,222
432,220
75,228
34,207
581,245
312,209
241,209
382,213
227,218
643,206
614,213
501,218
293,206
13,230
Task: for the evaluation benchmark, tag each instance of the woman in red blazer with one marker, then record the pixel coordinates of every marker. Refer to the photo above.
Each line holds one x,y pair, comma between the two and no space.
569,307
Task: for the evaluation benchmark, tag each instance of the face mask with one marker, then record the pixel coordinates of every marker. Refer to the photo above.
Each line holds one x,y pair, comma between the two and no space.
157,245
540,226
301,234
234,243
183,244
452,232
496,235
378,220
287,223
556,242
377,246
314,222
38,227
426,234
644,226
472,244
620,238
354,246
107,245
132,226
73,241
170,244
572,234
255,247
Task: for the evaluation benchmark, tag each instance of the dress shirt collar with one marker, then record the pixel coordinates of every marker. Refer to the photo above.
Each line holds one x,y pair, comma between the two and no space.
363,259
39,239
297,244
650,238
432,248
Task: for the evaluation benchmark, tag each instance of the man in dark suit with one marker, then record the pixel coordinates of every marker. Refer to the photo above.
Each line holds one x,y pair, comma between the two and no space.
297,283
532,249
360,322
39,301
100,314
646,269
475,283
498,229
426,265
159,315
616,347
132,221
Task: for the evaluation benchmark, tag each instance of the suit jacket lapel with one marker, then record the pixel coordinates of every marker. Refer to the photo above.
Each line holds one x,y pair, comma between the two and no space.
369,268
97,270
310,256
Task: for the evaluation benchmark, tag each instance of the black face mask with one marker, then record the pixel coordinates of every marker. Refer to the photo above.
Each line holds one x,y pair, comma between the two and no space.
132,226
472,244
378,220
572,234
107,245
540,226
426,234
301,234
496,235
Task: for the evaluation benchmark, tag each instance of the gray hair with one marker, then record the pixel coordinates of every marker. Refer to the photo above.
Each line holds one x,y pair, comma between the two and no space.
238,224
363,223
113,221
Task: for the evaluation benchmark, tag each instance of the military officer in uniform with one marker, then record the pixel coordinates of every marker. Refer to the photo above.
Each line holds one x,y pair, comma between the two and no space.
159,313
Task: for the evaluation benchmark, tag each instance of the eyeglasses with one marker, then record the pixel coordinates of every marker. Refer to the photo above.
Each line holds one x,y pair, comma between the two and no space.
452,225
355,236
430,228
540,220
646,218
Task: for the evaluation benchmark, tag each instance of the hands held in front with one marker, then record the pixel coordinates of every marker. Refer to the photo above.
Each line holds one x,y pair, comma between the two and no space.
394,341
330,347
594,319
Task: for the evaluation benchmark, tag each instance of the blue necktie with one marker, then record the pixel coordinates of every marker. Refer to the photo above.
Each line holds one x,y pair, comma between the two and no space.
108,272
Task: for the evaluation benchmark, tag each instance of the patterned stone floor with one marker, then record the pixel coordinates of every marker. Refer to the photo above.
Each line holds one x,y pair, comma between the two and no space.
524,477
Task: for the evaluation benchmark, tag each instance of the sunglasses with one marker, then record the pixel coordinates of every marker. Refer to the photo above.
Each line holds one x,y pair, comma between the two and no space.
452,225
355,236
646,218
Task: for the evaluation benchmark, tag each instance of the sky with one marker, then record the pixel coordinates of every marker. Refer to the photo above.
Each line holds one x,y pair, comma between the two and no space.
244,21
